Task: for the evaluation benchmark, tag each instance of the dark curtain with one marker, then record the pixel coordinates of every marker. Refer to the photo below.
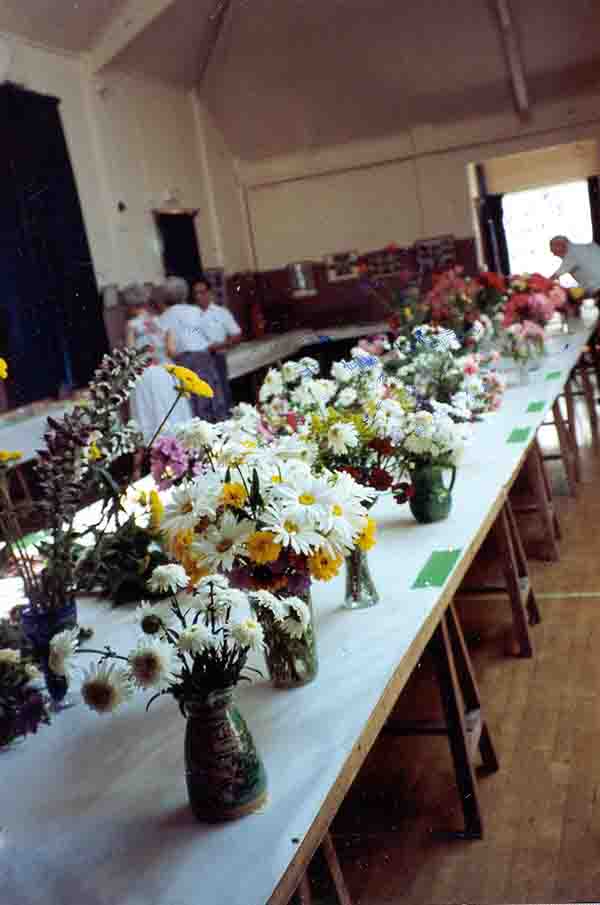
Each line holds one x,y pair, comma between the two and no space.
181,257
50,309
594,194
493,234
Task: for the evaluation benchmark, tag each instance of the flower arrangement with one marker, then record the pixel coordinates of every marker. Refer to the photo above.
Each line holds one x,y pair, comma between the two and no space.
452,303
22,706
523,341
533,298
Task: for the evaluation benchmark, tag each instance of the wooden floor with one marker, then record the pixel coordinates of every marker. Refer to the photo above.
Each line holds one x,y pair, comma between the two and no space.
542,809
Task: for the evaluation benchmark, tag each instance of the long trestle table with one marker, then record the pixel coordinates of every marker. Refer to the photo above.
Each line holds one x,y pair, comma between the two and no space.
94,809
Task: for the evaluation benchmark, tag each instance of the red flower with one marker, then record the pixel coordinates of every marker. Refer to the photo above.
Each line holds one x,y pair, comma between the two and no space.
403,492
380,479
538,283
391,247
292,420
385,447
355,473
493,280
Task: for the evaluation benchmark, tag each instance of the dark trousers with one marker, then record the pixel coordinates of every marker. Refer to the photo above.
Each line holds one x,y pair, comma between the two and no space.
204,365
221,364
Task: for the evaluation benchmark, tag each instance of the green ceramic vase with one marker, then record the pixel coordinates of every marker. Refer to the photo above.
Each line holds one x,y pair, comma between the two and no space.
225,775
432,499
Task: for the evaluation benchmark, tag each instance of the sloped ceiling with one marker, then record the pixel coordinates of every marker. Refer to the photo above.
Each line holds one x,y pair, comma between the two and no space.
65,24
287,75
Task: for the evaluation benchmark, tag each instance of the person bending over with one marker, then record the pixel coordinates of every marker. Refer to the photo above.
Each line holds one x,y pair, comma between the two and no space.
581,261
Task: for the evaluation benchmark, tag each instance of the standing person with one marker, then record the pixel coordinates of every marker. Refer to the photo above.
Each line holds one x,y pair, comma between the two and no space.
221,328
189,347
155,392
581,261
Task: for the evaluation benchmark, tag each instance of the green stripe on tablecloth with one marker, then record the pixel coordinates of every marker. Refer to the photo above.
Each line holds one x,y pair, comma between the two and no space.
553,375
437,568
536,406
519,435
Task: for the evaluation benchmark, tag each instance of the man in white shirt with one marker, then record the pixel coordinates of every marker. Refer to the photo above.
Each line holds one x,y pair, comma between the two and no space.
219,327
581,261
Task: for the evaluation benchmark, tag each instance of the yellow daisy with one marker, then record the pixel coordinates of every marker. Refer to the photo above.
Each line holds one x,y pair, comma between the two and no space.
3,369
366,539
323,566
188,382
262,547
234,495
156,511
6,456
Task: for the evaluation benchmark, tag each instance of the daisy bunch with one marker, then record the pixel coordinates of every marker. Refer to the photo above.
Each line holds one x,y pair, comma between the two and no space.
193,645
431,437
523,341
289,637
23,708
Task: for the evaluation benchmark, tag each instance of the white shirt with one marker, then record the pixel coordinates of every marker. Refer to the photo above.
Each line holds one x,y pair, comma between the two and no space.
218,323
185,323
583,263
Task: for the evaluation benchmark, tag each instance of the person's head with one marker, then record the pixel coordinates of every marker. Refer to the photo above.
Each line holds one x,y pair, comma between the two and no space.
559,246
136,298
176,290
202,293
158,298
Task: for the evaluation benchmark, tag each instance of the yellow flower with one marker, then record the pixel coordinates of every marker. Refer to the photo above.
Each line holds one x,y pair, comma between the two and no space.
6,456
366,539
276,479
180,543
94,453
323,566
576,292
156,511
408,313
234,495
3,369
188,382
262,547
194,568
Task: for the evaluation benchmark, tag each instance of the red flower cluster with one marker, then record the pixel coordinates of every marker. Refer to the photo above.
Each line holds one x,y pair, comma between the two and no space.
403,492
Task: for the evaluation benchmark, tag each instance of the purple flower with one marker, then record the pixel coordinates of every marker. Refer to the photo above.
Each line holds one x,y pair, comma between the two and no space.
168,461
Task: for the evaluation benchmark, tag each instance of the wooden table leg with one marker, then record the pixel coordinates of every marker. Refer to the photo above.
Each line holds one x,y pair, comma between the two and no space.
331,859
522,569
566,448
517,584
571,426
590,398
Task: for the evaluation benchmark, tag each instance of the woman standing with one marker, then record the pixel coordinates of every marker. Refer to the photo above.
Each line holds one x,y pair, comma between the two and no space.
221,330
154,393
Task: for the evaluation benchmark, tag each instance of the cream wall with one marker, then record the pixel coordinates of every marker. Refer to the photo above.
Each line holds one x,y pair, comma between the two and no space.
415,185
132,140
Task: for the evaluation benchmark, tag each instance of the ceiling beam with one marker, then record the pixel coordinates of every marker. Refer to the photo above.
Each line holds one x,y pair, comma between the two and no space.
513,57
125,26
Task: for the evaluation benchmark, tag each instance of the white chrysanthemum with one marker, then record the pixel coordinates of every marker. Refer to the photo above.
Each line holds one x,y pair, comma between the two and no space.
105,687
294,447
186,508
153,618
194,639
322,390
248,633
310,365
63,648
297,622
347,397
272,385
215,580
223,543
292,371
341,372
10,656
270,602
301,397
196,434
341,437
150,663
168,578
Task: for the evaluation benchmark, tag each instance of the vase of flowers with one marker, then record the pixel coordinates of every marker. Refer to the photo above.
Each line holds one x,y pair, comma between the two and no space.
22,705
40,625
289,637
193,647
525,344
432,445
361,592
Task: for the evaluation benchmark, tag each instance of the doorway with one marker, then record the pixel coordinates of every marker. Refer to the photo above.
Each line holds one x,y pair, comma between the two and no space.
533,216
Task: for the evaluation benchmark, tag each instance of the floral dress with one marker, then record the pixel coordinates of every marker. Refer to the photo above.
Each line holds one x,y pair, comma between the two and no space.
155,393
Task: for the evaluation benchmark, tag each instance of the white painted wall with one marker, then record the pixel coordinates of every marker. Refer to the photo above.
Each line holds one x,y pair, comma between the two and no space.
364,195
132,140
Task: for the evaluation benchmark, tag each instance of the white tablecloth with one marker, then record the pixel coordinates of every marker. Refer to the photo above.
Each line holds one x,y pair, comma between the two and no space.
94,810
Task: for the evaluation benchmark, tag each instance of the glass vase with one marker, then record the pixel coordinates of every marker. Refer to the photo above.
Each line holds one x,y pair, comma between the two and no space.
224,773
291,661
40,625
432,499
361,592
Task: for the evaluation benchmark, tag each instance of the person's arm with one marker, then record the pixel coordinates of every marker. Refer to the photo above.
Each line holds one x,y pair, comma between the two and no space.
171,344
565,267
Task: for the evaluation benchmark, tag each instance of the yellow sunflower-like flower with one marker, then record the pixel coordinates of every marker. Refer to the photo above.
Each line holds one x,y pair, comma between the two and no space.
323,566
262,547
6,456
94,452
188,382
3,369
366,539
234,495
156,511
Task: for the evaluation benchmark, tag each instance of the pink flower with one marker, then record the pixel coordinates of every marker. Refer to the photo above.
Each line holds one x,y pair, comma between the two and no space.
471,365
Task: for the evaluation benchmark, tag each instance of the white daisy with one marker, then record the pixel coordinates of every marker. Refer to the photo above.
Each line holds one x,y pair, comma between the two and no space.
299,619
63,648
341,372
222,544
150,663
341,437
292,532
168,578
189,503
194,639
292,371
272,385
196,434
309,498
248,633
347,397
153,618
105,688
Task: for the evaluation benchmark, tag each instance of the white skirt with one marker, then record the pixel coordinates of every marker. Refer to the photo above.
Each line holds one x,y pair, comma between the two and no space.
151,399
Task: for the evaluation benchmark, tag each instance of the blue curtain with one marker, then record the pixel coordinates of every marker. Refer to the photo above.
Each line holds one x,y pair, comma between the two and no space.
50,308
